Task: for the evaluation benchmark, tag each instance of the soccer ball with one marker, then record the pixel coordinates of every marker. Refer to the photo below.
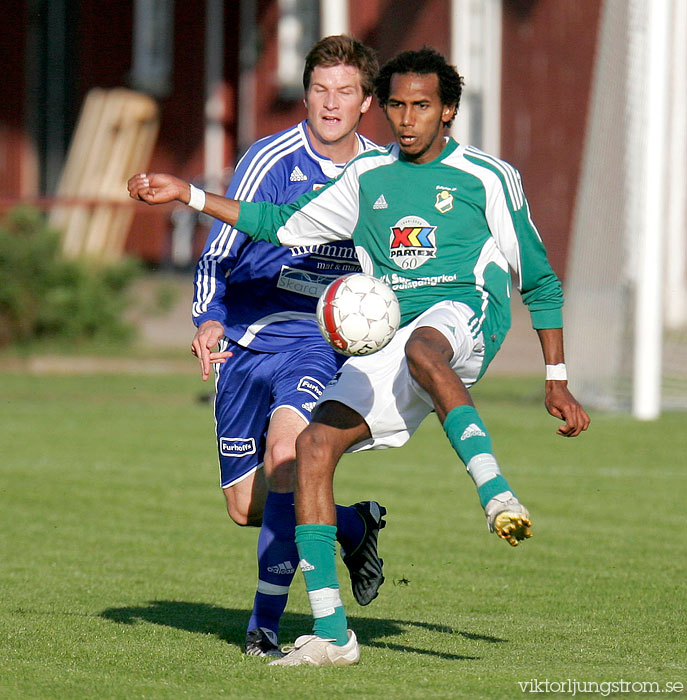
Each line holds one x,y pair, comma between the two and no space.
358,314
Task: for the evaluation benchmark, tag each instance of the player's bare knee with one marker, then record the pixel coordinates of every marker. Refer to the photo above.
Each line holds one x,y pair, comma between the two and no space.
281,455
241,513
240,517
310,444
282,474
314,448
422,360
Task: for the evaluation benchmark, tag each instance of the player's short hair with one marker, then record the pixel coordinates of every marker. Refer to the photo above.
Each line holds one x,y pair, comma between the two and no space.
423,62
343,49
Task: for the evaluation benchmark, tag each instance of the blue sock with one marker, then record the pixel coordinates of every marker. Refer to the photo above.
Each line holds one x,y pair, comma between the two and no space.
350,528
277,561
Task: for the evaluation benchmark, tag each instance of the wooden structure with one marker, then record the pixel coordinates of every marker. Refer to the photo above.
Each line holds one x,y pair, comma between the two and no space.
115,137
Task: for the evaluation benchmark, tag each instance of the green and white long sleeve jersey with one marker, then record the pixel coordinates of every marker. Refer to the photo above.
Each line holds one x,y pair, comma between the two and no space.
448,229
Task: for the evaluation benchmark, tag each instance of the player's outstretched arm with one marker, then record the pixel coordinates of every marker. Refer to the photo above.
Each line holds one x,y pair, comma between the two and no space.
559,401
161,188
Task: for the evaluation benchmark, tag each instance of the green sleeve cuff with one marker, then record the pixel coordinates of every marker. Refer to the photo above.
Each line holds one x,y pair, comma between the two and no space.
546,318
248,218
251,223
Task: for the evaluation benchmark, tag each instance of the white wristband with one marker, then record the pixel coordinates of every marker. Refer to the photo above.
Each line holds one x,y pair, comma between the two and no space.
197,198
556,372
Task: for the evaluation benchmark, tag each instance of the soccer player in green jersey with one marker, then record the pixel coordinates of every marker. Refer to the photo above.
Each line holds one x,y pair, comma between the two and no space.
443,224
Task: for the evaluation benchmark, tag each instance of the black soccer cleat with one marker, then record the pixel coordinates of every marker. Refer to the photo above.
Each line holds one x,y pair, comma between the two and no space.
364,564
262,642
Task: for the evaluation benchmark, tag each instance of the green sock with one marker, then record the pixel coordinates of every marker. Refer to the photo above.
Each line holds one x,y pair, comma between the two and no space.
317,551
470,439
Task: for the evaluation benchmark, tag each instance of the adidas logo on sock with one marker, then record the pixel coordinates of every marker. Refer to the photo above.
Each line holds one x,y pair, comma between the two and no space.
297,175
286,567
473,430
305,566
380,203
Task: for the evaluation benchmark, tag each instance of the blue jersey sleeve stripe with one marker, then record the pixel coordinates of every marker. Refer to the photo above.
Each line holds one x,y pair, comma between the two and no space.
265,164
221,245
205,286
207,270
259,163
210,268
249,158
257,168
246,191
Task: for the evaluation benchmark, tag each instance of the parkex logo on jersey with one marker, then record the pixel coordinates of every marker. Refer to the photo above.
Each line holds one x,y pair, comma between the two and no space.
412,242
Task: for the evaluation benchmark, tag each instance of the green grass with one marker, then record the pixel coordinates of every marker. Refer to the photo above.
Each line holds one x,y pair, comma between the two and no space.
122,577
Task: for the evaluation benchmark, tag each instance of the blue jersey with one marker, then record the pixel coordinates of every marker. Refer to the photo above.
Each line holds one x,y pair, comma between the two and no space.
265,295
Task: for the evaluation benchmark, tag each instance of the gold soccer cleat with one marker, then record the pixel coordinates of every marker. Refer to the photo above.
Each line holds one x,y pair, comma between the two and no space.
512,527
508,518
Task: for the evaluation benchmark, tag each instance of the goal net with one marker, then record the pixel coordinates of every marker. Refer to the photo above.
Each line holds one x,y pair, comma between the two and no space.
626,282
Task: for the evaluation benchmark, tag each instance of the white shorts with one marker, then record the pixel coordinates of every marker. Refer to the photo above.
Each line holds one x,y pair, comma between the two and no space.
380,388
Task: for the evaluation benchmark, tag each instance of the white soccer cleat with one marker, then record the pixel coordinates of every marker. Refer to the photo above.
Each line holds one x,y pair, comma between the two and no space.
508,518
311,650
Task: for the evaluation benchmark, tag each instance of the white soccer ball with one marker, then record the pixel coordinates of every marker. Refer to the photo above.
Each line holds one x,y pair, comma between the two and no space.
358,314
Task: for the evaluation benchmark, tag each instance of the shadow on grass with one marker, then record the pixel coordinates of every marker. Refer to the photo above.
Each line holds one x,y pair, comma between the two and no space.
229,625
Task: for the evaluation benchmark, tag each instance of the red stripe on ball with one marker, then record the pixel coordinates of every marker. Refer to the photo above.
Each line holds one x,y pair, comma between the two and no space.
328,312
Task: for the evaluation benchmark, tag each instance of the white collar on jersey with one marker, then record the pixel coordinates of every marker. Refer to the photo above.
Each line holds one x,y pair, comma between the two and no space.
329,168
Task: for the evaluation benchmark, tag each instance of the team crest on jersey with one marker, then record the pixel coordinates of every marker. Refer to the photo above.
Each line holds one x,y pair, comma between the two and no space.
412,242
444,202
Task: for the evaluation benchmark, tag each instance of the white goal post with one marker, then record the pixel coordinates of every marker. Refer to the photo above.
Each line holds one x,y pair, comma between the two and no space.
626,283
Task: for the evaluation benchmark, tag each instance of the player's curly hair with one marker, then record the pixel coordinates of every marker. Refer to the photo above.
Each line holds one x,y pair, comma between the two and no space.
343,49
423,62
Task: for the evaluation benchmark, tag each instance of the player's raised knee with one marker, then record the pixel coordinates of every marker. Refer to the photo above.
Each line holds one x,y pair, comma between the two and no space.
425,354
313,445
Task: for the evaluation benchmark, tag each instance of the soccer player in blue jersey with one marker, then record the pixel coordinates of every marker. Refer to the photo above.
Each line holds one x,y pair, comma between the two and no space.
257,302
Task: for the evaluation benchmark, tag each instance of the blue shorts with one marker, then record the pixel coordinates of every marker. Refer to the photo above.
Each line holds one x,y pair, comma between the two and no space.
250,386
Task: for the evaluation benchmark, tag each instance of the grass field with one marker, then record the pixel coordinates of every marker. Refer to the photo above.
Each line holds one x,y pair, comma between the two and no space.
122,577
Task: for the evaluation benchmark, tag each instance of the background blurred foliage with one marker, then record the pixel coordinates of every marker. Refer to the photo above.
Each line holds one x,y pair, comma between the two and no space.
44,297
